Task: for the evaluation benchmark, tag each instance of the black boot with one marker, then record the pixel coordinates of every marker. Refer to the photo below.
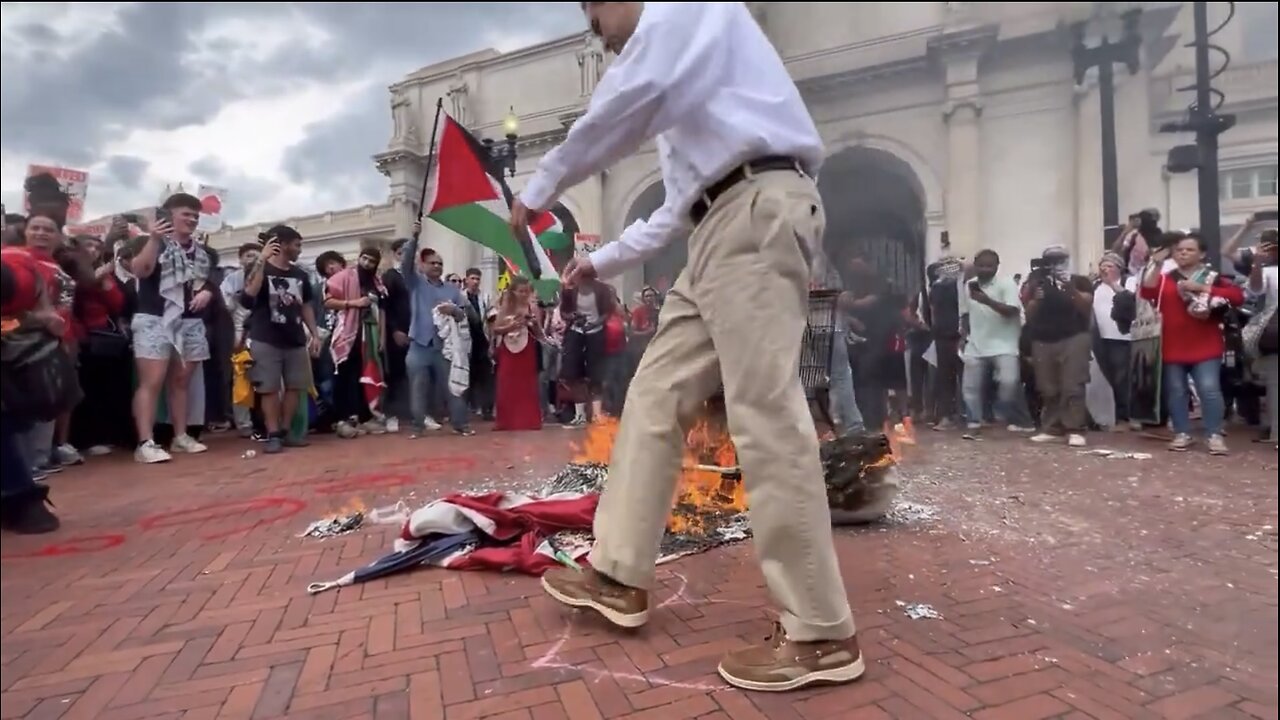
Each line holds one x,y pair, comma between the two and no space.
26,513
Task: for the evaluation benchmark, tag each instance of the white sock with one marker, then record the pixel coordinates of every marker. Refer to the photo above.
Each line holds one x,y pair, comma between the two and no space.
580,410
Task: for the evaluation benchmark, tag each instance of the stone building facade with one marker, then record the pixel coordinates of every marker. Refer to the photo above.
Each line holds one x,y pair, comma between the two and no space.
943,121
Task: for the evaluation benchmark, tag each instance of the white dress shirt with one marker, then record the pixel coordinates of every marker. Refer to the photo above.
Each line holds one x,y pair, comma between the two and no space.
702,78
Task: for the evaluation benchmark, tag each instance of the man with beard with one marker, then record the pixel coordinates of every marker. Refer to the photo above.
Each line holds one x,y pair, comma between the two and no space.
427,364
477,308
282,329
399,317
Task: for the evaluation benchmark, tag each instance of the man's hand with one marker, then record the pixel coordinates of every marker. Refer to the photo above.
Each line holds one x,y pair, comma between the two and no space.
200,300
313,345
400,338
416,229
578,270
978,295
449,309
270,250
161,229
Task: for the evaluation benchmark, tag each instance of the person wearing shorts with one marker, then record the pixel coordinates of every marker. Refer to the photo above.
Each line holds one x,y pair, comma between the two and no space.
169,341
585,310
282,333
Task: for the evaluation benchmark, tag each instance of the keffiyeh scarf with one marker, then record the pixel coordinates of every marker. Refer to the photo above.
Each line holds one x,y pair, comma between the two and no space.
180,268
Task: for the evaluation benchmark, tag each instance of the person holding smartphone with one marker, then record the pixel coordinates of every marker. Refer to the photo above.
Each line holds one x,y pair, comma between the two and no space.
170,342
282,332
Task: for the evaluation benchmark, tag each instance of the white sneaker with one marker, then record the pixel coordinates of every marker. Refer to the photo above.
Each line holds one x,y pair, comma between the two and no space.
1076,441
346,430
393,425
1181,442
149,453
1020,430
373,427
98,450
187,444
66,454
1218,445
1045,438
430,424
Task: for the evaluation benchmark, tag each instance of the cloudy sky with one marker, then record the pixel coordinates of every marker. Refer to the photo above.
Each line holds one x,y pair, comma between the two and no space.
281,103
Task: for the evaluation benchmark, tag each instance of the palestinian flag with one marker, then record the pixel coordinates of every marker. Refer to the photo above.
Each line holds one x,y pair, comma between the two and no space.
472,199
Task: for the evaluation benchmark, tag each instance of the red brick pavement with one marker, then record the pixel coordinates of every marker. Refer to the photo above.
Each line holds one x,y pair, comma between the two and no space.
1069,587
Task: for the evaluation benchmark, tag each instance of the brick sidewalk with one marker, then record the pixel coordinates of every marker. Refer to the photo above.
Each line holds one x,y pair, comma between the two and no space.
1069,587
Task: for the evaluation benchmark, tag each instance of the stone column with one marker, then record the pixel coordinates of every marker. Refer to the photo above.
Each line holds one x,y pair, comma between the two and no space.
959,52
1088,174
964,177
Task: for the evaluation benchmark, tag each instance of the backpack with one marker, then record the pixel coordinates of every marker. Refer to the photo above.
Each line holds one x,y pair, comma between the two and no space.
1260,334
38,377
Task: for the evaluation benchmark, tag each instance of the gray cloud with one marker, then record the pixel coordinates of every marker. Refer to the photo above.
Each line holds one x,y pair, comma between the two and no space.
64,99
208,168
127,170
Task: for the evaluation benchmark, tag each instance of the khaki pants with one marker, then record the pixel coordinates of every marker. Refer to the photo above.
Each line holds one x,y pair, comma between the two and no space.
1062,373
735,316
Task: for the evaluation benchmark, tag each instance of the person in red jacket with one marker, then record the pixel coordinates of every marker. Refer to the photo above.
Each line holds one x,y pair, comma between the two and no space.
1192,343
22,500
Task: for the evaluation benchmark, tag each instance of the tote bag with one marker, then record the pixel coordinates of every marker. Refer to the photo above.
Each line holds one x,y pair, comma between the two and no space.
1146,361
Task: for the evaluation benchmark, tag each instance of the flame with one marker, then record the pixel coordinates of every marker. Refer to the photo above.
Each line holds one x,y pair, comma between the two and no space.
351,507
900,435
702,488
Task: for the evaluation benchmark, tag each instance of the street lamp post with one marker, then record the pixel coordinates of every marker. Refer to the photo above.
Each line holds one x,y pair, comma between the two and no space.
503,156
1204,120
1104,56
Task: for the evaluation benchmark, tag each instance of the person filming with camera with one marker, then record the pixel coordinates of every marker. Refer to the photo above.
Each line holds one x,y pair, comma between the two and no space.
1192,299
1059,307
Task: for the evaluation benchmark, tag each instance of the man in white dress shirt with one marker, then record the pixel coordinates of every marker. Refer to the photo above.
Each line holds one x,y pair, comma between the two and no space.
738,152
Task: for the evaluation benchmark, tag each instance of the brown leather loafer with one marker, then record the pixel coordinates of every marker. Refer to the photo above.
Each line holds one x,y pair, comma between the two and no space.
623,606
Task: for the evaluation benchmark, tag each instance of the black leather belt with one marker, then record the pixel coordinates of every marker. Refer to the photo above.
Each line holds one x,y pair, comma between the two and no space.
737,175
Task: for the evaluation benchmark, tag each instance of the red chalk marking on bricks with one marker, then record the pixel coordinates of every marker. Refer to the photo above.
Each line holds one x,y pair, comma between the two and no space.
283,507
72,546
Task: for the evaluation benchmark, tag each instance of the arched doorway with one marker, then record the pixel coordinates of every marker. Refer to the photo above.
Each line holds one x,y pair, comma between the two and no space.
661,271
875,211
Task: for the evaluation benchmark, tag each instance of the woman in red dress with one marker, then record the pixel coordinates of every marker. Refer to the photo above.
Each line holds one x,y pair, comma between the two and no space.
517,332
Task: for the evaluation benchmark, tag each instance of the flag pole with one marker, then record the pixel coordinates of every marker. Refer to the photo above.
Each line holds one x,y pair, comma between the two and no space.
431,161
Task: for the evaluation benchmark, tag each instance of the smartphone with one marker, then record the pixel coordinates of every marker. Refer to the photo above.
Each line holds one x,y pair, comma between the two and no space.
1265,216
164,215
131,218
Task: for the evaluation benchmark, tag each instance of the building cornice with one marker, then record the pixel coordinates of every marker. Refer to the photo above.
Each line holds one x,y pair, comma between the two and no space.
848,79
486,59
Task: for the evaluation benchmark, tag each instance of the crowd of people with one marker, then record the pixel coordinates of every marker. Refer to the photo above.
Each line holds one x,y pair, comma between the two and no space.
1153,337
165,346
168,346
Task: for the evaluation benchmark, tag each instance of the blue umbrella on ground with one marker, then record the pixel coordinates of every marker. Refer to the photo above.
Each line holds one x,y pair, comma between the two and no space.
428,550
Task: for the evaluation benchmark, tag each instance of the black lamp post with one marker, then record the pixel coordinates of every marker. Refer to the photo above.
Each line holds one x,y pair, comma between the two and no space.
1203,119
1104,56
503,156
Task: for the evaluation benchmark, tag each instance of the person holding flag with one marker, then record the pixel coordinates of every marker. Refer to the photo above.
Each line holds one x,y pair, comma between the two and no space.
738,152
